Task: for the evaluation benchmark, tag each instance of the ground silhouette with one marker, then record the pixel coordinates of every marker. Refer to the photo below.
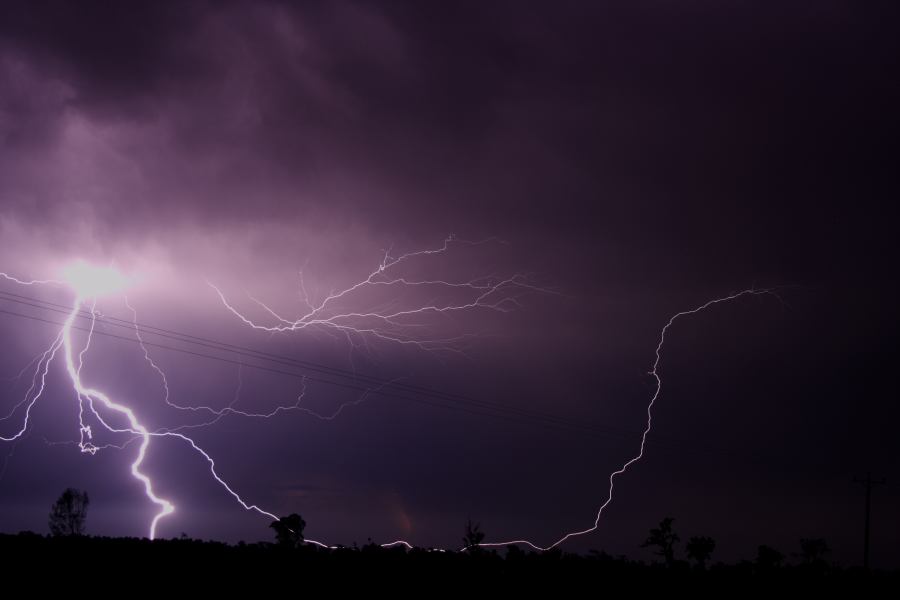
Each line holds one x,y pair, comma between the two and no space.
207,566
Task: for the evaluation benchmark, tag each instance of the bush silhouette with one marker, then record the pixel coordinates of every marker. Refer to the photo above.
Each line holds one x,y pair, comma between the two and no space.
768,558
813,550
699,549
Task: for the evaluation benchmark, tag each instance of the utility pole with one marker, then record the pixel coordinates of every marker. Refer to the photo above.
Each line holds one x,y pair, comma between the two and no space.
868,482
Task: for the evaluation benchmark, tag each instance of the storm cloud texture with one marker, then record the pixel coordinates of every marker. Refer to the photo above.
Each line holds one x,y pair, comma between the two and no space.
637,158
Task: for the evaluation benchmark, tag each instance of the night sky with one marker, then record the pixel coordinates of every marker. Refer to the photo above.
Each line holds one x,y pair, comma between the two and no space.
629,160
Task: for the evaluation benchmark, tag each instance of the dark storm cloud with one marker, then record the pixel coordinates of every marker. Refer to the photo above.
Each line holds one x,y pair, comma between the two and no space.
641,156
523,114
689,126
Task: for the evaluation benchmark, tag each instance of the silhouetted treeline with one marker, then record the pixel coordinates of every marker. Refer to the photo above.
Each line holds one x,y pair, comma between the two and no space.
217,565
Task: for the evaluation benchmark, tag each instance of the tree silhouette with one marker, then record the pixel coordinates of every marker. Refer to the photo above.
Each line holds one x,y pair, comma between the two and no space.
69,512
289,530
700,548
474,536
664,538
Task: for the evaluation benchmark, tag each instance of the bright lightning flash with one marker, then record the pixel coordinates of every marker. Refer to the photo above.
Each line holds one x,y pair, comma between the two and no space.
90,281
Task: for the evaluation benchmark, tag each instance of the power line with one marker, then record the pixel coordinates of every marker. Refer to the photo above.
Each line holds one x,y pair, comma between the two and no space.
288,361
497,414
456,402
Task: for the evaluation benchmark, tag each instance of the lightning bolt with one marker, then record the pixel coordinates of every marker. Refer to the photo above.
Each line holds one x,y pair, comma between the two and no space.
390,325
90,398
91,395
654,372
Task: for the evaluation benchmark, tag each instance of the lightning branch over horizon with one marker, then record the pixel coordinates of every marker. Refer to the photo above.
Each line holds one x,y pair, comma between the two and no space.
654,372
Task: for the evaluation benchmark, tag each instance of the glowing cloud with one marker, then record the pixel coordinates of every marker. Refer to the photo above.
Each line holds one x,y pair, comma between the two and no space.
91,281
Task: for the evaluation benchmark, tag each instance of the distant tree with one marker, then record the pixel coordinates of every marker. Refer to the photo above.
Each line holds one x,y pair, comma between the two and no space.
474,536
768,558
699,549
663,538
813,550
69,512
289,530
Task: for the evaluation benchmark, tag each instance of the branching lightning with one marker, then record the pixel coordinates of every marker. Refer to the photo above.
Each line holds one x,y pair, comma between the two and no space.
397,324
31,281
393,325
